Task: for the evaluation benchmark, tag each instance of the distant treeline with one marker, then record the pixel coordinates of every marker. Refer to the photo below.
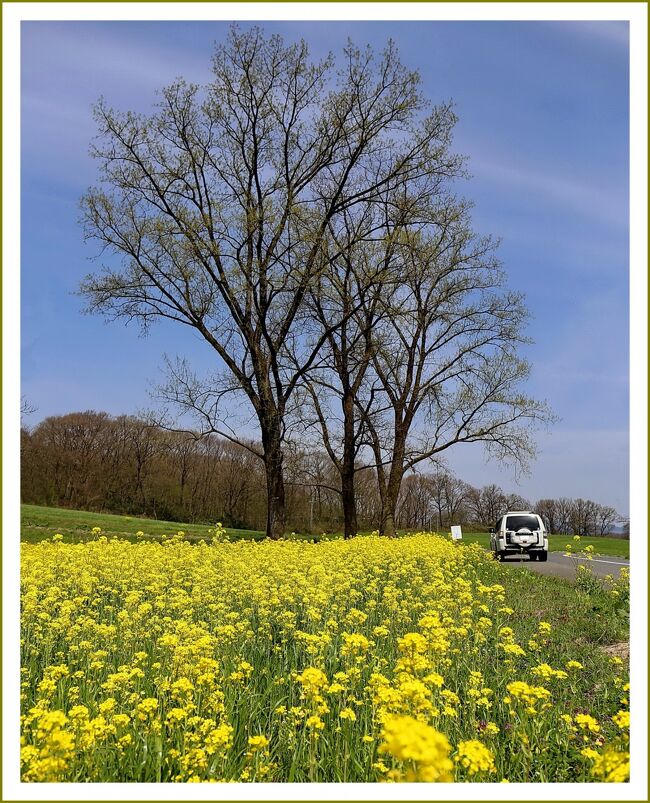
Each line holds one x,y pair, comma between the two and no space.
131,465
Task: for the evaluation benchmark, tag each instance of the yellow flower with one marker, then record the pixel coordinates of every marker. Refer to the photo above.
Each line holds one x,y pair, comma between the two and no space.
146,708
218,739
312,680
78,713
257,743
410,740
527,694
108,705
587,722
475,757
181,688
412,642
546,672
130,644
574,665
513,649
354,644
176,715
612,766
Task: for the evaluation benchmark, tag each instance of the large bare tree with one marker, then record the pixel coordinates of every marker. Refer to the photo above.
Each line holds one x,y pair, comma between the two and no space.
360,270
445,357
364,272
216,207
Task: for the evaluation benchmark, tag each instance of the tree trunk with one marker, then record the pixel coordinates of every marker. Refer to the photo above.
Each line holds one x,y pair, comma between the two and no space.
387,526
276,515
348,496
349,505
390,493
389,505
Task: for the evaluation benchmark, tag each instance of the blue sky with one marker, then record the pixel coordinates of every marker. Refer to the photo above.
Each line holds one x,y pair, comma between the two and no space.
543,118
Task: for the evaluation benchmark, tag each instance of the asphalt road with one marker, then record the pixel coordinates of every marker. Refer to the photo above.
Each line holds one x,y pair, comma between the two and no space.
558,565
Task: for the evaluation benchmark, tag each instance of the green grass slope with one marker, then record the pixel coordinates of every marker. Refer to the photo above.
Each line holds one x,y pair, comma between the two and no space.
38,522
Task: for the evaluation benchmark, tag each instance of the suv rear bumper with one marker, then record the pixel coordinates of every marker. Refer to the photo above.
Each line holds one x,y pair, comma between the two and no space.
516,550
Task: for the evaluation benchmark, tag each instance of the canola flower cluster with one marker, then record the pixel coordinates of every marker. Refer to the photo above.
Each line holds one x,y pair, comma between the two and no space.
365,660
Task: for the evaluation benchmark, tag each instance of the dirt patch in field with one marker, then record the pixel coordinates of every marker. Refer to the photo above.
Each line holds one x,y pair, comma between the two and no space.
621,650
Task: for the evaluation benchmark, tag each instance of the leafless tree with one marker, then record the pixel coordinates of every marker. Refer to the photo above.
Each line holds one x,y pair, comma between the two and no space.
414,504
517,502
447,497
548,510
26,408
218,207
445,357
563,508
361,270
582,518
605,517
487,504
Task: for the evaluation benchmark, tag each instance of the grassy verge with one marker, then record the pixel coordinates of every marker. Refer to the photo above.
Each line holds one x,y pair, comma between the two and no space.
40,522
614,547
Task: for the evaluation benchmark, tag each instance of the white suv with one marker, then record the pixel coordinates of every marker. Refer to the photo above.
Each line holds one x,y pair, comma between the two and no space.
519,531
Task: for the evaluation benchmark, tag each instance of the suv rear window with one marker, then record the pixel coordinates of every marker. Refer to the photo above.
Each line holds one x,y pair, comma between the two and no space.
516,523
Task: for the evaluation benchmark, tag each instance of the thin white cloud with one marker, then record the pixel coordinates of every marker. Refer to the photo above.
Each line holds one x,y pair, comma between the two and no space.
594,342
66,68
604,204
112,52
614,32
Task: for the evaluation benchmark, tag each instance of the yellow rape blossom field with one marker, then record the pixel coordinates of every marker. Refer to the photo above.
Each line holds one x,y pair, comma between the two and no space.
365,660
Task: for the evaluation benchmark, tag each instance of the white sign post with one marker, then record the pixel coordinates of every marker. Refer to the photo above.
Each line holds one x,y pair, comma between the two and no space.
456,532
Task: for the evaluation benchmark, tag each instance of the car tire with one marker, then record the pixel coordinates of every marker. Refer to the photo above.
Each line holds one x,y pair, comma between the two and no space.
501,556
543,556
534,555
